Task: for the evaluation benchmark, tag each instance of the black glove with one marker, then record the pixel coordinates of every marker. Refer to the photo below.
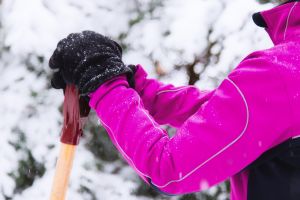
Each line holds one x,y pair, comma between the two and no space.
87,60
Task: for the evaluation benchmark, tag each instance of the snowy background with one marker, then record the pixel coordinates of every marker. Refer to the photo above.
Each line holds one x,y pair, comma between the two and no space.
180,42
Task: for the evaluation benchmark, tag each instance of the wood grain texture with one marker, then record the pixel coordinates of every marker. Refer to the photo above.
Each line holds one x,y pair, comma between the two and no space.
62,173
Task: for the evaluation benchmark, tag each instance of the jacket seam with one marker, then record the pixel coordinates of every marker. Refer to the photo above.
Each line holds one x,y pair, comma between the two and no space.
203,163
288,20
175,89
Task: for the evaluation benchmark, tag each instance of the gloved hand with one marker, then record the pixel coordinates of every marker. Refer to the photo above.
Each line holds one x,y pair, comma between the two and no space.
87,60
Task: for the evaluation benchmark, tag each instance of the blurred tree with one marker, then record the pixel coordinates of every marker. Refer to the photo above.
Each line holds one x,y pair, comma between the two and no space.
28,168
271,1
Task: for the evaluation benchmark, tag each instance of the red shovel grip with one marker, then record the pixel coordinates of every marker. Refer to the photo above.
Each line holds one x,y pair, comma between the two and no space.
72,127
75,110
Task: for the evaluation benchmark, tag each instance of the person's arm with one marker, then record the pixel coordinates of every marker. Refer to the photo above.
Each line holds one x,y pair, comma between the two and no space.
247,114
166,103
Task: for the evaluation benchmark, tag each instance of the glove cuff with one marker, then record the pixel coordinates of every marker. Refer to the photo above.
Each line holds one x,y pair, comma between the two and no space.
94,83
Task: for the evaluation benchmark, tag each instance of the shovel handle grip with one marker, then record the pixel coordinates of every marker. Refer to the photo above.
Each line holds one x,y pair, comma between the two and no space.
72,126
71,132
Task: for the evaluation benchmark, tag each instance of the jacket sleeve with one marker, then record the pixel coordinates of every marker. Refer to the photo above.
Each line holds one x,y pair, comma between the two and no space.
247,114
179,103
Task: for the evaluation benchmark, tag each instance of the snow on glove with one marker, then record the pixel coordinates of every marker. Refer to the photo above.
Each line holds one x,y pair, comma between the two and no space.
87,60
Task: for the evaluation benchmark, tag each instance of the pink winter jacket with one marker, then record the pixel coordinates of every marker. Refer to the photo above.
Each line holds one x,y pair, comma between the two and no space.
219,132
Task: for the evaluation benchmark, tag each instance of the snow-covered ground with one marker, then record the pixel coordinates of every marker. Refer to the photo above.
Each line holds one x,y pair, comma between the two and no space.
172,32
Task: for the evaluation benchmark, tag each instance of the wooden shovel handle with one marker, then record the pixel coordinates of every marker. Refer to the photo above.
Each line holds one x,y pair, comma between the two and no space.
63,170
75,110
